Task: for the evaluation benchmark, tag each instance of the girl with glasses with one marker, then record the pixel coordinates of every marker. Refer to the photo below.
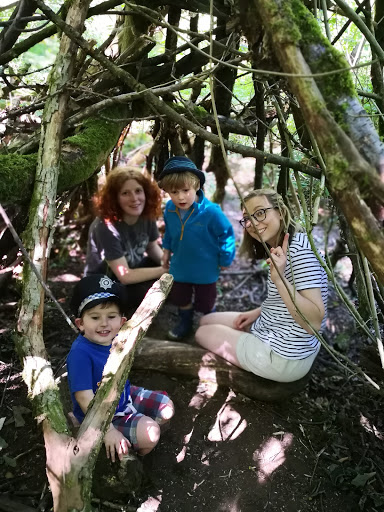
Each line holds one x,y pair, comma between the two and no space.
273,341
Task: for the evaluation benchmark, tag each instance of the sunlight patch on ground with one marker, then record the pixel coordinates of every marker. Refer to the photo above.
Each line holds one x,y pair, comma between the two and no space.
231,505
181,455
65,278
151,504
369,427
271,455
228,425
207,386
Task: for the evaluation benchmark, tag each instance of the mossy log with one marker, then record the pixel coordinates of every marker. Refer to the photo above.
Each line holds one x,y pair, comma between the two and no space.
81,155
192,361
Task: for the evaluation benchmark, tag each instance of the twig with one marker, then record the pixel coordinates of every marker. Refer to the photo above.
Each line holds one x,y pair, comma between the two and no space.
33,267
239,285
6,385
375,319
34,448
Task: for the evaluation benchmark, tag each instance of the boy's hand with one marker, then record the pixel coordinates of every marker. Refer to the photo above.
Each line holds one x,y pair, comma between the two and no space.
166,259
115,442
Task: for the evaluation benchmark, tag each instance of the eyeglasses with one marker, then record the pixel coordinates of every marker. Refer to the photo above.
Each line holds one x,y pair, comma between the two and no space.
259,215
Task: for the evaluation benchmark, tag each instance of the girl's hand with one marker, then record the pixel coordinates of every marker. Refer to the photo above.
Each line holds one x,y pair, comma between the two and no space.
115,442
243,321
278,260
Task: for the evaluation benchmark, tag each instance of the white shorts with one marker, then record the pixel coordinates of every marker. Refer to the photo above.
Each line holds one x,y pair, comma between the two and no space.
257,357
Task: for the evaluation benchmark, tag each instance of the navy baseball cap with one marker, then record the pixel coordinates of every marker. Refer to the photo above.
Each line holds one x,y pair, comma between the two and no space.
95,289
177,164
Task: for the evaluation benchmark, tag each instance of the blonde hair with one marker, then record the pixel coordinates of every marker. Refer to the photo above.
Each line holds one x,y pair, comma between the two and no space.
253,248
178,180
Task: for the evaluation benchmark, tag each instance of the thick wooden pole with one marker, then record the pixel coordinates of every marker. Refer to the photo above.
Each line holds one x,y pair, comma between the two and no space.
37,371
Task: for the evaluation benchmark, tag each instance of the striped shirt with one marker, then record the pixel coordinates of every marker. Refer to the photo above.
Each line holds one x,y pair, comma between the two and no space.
275,326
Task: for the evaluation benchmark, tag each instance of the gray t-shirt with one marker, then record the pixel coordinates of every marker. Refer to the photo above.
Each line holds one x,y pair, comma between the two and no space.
109,241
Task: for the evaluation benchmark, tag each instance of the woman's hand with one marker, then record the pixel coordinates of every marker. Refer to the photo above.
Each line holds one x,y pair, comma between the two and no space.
243,321
115,442
278,260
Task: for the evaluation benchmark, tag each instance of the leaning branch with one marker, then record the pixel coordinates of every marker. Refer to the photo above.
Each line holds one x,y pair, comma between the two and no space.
160,107
28,43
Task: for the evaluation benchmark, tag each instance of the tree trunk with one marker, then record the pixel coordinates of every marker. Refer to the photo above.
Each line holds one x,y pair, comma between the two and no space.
346,169
222,90
37,371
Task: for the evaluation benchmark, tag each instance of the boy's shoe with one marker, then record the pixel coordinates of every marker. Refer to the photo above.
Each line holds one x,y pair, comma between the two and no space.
183,327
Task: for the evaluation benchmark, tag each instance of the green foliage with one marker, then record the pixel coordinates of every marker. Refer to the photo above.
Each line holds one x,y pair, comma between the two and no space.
135,140
42,54
243,90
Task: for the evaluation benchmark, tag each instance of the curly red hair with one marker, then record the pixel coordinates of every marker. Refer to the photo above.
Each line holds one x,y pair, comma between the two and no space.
106,201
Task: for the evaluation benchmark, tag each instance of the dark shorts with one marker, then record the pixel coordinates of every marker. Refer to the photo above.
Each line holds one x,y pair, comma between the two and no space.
204,296
147,403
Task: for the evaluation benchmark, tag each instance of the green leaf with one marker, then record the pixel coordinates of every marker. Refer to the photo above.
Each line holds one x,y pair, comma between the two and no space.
3,443
18,412
8,460
361,480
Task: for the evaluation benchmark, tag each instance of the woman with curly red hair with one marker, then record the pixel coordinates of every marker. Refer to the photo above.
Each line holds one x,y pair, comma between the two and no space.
122,240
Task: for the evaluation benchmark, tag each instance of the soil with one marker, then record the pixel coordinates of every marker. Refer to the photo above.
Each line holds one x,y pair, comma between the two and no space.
320,451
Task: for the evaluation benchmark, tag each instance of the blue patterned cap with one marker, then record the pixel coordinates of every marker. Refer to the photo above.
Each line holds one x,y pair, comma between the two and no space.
95,289
177,164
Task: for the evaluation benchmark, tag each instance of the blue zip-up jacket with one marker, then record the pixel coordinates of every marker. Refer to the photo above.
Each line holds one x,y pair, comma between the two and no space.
201,242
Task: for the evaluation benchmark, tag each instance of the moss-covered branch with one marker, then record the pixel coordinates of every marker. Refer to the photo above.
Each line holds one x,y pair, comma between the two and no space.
337,90
81,155
348,173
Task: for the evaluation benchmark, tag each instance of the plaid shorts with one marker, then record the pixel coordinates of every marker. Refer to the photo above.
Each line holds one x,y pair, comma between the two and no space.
147,403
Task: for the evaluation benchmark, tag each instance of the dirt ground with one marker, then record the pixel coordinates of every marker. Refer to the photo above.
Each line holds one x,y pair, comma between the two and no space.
320,451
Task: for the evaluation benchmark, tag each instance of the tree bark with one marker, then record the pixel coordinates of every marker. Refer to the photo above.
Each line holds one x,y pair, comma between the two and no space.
70,465
346,169
181,359
37,372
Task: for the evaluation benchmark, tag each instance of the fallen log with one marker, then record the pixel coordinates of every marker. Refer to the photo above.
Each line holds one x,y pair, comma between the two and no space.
192,361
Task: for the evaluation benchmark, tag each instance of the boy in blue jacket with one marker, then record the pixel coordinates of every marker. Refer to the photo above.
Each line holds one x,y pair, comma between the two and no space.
198,242
99,305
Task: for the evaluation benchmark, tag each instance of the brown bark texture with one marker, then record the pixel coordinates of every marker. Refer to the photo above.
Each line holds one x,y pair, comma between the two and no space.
192,361
347,171
71,460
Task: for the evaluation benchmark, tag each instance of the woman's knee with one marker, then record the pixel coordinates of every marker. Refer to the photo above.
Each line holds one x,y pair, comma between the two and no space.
148,435
199,334
206,319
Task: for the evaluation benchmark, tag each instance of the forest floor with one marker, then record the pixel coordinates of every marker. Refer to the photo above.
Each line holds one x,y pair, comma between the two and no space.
321,451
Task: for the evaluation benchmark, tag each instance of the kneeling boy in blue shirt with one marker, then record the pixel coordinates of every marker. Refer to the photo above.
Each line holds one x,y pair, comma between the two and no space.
99,304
